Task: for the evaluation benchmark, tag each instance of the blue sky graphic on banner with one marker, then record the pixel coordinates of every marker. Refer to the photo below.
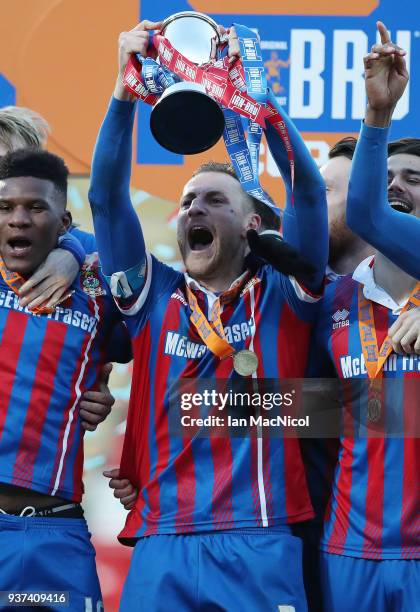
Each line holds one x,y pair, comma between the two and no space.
315,66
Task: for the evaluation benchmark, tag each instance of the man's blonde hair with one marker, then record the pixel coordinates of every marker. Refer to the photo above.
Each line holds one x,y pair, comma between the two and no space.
17,122
269,219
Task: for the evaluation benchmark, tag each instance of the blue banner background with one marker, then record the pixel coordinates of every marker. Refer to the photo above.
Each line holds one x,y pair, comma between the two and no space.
327,47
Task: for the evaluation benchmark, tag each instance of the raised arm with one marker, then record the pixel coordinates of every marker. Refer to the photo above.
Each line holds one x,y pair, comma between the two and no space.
305,222
369,214
115,221
117,228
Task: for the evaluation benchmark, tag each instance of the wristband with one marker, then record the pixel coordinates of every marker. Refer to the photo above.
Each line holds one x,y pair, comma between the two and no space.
124,284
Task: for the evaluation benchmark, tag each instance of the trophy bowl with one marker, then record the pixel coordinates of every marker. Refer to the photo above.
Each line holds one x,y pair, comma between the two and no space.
192,34
186,120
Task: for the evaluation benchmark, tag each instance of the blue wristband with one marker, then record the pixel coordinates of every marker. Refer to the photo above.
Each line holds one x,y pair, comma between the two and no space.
71,243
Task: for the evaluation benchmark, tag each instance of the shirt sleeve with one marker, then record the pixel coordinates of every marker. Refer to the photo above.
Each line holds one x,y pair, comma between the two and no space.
87,240
305,221
69,242
117,227
304,303
393,233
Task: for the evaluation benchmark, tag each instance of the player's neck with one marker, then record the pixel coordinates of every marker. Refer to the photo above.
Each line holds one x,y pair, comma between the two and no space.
348,261
220,281
397,283
217,285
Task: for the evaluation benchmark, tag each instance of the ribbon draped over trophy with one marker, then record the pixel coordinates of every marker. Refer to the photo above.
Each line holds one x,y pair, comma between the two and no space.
196,98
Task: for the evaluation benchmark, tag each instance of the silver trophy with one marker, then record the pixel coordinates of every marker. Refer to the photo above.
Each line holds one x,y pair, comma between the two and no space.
186,119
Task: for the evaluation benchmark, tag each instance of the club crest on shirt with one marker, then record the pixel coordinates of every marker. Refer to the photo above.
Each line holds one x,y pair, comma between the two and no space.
91,283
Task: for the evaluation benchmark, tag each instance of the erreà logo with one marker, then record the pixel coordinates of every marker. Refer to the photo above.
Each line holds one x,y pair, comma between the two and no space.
340,318
177,295
251,283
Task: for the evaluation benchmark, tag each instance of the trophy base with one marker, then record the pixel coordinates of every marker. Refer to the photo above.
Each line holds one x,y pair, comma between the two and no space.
186,120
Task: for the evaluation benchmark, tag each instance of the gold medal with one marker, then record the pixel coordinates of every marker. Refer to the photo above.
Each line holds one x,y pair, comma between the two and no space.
374,409
245,362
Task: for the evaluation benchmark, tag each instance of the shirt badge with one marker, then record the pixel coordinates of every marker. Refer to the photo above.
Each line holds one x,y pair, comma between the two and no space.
91,283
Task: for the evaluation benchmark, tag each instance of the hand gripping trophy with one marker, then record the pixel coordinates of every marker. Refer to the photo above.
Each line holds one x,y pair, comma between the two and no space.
185,119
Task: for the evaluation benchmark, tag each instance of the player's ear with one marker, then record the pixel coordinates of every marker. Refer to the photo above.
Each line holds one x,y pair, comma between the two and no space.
252,222
66,222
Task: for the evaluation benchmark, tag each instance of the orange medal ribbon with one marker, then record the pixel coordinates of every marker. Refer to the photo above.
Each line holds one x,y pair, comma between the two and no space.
15,282
374,357
212,332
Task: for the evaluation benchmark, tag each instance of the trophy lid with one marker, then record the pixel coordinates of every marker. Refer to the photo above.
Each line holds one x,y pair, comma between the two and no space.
192,34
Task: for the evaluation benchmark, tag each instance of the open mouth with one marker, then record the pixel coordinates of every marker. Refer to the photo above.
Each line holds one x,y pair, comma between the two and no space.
401,206
19,246
199,238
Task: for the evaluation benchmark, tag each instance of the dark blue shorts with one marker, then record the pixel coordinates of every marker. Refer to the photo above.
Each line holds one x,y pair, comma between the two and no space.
49,554
237,571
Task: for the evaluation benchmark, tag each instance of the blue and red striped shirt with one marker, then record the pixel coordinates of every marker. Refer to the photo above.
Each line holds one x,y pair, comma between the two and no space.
199,484
47,362
374,510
